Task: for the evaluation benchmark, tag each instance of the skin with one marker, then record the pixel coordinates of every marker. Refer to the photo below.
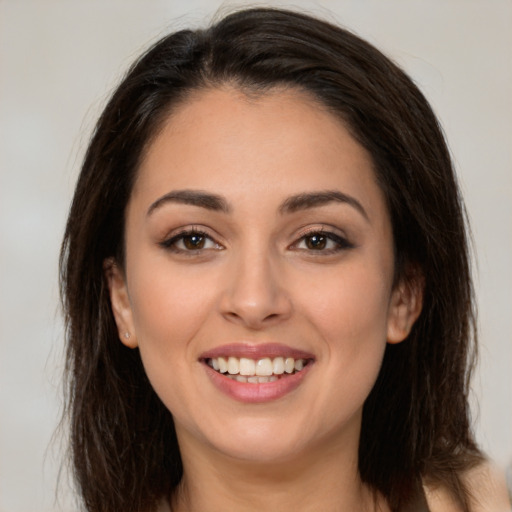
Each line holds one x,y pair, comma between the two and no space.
257,280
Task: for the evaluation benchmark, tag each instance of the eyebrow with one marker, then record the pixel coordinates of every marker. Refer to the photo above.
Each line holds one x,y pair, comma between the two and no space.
292,204
316,199
193,197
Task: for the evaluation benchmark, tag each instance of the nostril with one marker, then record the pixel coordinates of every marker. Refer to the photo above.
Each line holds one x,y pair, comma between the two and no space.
253,320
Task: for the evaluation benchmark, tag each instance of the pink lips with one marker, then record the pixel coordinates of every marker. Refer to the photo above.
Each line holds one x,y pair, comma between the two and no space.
256,351
262,392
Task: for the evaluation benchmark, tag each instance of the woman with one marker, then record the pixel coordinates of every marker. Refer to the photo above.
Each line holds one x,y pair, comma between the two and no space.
266,280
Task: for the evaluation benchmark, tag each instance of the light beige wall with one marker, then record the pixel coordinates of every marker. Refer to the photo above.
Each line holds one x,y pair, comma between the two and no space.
58,62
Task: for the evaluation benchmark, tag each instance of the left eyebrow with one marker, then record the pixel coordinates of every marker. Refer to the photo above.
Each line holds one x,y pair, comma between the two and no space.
321,198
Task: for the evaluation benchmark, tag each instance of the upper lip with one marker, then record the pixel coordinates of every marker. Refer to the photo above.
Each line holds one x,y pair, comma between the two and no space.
256,351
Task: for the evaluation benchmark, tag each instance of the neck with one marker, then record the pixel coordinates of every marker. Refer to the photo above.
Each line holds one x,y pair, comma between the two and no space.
325,479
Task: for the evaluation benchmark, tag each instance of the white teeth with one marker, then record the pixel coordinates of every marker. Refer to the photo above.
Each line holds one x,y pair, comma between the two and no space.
253,380
247,366
233,365
256,371
223,365
264,367
278,366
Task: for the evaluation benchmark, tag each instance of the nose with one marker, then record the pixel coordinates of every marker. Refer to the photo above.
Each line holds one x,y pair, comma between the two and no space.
255,295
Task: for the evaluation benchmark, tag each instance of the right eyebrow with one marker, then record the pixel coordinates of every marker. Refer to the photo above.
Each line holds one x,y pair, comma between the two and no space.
193,197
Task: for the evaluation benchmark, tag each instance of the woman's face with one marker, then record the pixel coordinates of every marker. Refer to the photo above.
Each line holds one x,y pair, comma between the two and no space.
258,277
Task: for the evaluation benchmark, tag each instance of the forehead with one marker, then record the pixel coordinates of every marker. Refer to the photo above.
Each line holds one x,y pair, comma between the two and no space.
281,142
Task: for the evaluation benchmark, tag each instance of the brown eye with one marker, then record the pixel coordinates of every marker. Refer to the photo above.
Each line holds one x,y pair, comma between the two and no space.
190,241
322,242
194,242
316,242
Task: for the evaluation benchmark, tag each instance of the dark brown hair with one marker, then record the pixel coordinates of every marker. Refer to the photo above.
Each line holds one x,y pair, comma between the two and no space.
415,421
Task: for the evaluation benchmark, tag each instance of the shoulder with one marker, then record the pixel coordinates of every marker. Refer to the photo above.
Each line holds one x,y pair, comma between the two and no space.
487,486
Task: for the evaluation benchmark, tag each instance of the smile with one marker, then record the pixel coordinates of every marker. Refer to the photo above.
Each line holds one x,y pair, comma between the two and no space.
256,371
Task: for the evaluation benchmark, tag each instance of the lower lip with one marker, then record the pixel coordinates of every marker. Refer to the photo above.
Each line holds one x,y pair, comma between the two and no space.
257,393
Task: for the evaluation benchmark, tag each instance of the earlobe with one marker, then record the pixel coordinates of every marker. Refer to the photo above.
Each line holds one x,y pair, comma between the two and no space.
405,308
120,302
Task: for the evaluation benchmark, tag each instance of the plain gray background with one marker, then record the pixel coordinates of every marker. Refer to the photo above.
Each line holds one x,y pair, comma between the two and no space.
59,60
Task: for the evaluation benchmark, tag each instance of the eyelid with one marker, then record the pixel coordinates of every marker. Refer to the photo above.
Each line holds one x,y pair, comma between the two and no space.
322,229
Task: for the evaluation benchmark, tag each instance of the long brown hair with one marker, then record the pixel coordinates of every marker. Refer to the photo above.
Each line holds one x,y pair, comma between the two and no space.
415,421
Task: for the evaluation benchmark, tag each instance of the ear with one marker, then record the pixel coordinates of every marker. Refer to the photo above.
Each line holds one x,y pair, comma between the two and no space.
405,307
120,302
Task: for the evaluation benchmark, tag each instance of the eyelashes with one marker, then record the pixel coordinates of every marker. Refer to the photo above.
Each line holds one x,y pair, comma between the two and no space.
194,241
191,240
322,241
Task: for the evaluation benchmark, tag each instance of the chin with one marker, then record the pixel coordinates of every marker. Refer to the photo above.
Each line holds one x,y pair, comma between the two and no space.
258,449
250,439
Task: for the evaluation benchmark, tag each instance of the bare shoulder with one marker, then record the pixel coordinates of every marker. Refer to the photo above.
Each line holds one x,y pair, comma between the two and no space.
488,488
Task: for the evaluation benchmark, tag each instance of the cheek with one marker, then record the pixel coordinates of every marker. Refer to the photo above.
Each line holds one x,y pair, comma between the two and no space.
350,313
168,310
168,304
350,304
